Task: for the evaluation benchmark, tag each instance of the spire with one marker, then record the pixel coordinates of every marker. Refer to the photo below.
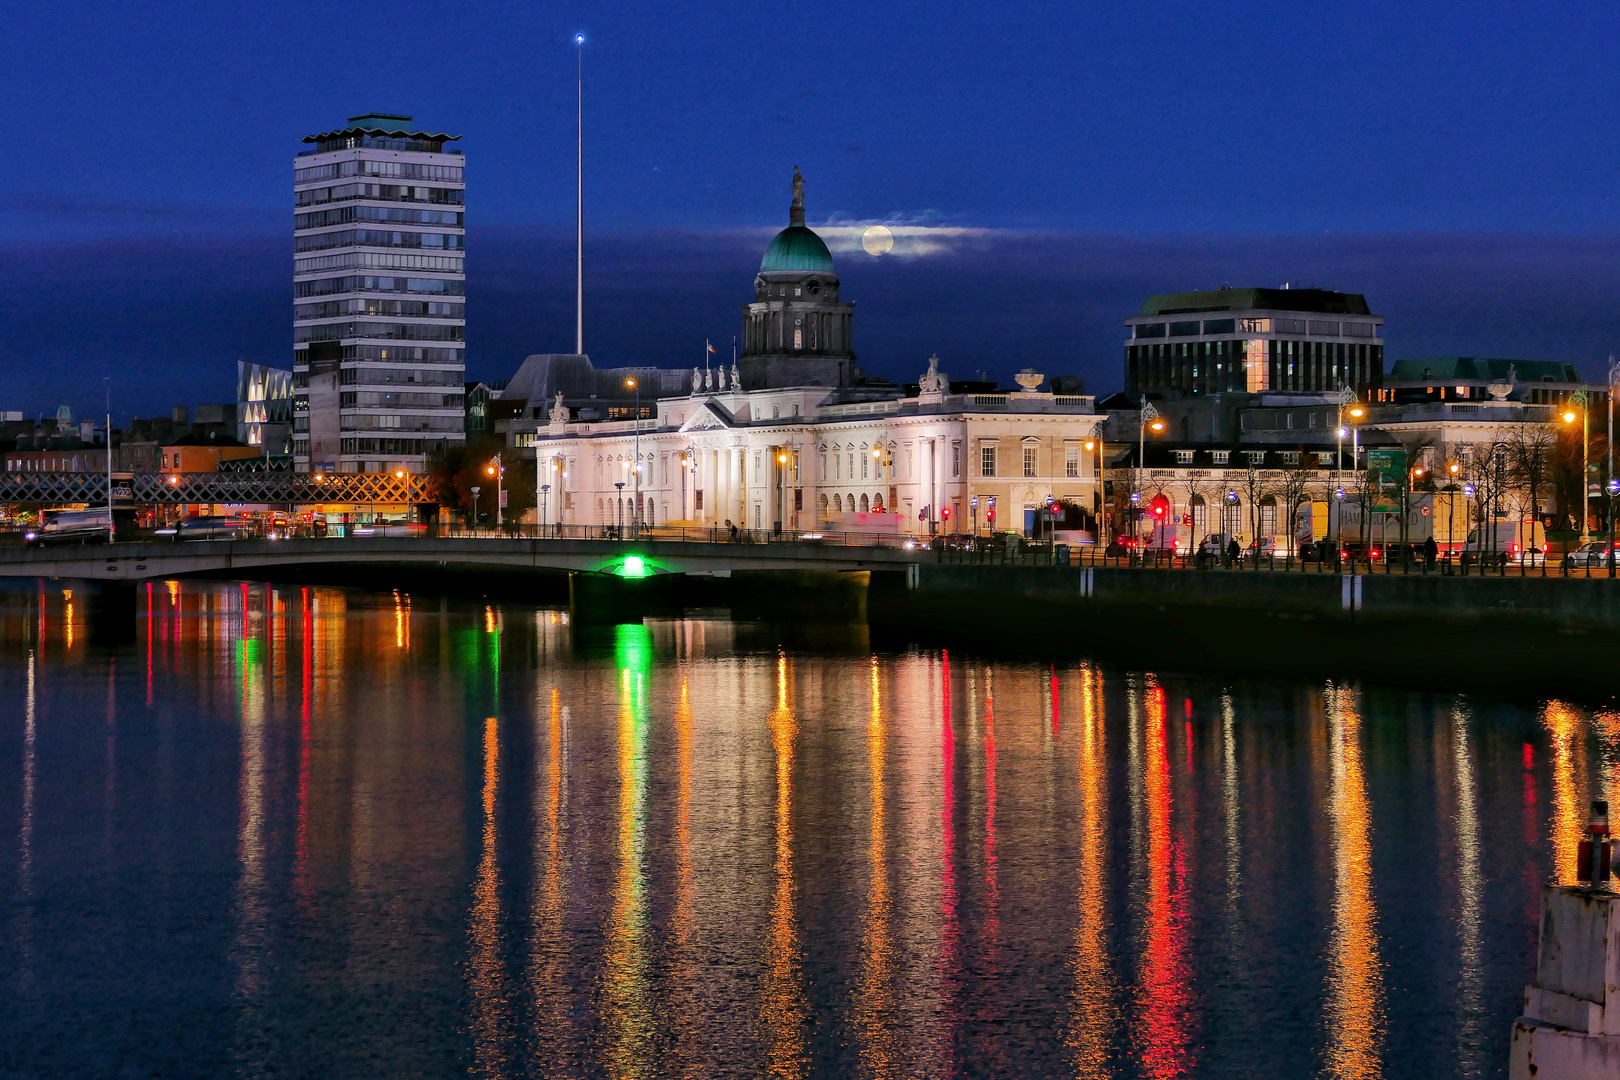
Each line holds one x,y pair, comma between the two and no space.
796,211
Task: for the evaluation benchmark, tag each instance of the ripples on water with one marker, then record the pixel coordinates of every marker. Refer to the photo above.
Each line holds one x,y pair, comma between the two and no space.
313,832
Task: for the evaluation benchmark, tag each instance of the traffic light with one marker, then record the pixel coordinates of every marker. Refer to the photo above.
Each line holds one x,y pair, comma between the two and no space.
945,513
1158,510
990,514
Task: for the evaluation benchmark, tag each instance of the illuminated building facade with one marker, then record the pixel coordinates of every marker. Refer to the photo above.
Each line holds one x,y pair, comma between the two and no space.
1254,340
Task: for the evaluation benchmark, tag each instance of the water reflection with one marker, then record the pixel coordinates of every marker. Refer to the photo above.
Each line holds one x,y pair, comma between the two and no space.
874,995
1090,1034
388,834
782,996
1355,1005
1471,1034
629,1010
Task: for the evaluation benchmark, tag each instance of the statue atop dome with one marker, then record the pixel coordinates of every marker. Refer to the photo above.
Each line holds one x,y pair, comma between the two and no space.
796,211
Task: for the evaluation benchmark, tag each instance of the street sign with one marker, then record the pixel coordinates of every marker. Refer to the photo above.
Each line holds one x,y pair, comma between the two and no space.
1386,475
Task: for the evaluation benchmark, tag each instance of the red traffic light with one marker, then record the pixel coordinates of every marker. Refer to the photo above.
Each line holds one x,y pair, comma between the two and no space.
946,513
990,515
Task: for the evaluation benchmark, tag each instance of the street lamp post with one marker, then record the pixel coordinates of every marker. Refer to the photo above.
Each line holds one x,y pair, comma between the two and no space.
1613,488
1338,539
973,504
781,485
545,498
1149,418
635,516
1096,491
619,502
475,492
1578,398
498,471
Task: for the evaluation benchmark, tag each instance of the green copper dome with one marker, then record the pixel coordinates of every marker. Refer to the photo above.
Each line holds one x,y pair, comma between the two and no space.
796,248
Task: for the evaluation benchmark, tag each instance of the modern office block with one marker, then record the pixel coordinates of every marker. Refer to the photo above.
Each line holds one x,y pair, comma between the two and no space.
1254,340
379,288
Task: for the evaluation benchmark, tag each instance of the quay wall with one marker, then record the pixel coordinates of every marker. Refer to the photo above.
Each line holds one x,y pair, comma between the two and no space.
1509,631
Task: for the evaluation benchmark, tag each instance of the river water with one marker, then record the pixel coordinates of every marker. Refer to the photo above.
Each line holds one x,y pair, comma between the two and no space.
318,832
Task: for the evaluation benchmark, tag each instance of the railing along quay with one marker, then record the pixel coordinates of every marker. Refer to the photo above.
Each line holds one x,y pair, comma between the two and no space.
1449,564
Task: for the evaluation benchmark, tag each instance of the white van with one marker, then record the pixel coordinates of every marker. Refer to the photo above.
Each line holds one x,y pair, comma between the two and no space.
1523,542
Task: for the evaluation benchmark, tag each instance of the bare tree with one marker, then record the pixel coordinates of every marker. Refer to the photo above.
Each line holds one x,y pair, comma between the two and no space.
1256,486
1193,486
1530,450
1295,483
1487,470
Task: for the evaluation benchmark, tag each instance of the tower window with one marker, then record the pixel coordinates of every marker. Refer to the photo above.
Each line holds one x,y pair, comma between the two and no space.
798,337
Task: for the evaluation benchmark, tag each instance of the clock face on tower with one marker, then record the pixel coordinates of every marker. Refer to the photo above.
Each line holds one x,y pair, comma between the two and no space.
813,287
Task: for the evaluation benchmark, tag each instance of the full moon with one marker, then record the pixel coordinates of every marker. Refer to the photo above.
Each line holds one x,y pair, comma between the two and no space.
877,240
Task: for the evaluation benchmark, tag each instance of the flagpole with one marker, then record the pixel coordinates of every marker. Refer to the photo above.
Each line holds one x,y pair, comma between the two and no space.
579,200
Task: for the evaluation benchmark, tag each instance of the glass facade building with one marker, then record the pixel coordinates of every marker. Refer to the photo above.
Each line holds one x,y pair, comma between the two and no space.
1254,340
379,320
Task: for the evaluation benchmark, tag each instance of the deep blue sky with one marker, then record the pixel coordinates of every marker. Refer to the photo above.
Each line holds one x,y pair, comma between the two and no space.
1455,162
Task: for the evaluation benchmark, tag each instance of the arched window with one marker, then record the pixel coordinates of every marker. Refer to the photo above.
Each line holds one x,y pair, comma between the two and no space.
850,499
1268,516
1200,518
824,506
1232,518
838,503
866,505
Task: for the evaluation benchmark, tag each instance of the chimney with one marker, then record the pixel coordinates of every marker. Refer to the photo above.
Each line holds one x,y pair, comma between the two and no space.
182,416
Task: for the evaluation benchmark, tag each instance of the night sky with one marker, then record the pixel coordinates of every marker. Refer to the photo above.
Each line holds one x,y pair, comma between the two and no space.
1045,165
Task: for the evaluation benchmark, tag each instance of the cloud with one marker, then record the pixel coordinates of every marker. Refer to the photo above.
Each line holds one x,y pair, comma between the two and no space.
910,241
48,216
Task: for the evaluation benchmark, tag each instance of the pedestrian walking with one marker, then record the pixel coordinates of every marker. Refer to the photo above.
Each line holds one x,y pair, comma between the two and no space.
1234,553
1431,551
731,529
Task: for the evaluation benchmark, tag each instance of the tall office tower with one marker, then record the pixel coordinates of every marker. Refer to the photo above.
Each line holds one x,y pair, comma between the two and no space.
378,284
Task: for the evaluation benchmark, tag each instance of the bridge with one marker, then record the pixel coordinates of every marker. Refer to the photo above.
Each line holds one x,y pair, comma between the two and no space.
170,489
625,559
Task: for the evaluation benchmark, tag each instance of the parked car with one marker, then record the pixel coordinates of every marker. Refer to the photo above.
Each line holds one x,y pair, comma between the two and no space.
1588,556
1267,546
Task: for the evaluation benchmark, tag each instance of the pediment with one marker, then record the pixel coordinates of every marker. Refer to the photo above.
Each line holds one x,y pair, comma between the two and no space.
704,419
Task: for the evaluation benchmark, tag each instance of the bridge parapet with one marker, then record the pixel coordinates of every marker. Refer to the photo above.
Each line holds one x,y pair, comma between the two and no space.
48,488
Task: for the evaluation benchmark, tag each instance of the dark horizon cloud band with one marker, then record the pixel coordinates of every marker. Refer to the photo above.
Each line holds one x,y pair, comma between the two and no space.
166,317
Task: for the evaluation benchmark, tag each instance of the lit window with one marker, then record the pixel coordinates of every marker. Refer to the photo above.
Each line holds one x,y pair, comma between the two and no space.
1071,461
1220,456
987,461
1029,461
1184,457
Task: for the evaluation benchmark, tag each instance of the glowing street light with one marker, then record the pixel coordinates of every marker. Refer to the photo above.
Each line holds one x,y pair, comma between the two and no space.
1578,401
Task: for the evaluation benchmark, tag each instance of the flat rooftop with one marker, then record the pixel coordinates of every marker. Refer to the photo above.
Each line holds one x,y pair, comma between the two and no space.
1312,300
